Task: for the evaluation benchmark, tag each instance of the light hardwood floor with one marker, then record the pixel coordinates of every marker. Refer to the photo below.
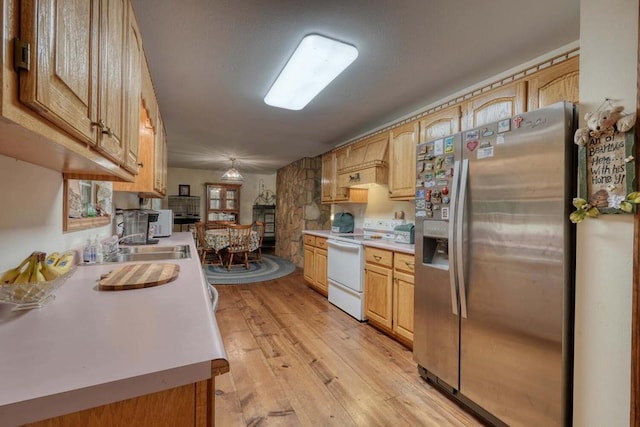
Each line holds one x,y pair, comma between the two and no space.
296,360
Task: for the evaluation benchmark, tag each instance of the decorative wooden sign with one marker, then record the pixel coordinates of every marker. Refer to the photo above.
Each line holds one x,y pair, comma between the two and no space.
607,172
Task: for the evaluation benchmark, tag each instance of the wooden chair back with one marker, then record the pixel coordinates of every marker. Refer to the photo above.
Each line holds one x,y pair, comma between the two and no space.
219,225
239,238
239,243
202,241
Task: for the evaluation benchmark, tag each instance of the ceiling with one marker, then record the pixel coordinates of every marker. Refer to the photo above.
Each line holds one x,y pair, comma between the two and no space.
212,62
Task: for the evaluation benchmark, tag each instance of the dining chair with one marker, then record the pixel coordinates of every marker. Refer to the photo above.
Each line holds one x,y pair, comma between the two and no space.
239,239
203,247
216,225
256,254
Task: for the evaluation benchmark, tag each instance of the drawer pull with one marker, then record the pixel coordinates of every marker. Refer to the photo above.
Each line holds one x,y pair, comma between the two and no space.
377,257
409,264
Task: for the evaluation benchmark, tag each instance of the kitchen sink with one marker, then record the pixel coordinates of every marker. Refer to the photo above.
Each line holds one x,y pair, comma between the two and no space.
148,249
149,253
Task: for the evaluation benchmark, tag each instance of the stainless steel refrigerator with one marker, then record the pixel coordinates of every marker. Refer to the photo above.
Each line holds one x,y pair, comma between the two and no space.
494,267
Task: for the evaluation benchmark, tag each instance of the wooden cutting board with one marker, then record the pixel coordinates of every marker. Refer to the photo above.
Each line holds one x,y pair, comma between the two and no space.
136,276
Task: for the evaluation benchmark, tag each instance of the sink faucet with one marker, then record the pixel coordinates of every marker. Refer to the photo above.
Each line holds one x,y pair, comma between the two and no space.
120,240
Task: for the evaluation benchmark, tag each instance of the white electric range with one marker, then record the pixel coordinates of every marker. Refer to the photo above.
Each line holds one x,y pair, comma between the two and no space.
345,264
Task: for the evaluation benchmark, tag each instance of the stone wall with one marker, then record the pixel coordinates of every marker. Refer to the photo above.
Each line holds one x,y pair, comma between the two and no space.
298,198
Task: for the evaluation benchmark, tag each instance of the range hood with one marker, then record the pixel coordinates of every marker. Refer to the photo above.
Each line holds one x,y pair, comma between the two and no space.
365,163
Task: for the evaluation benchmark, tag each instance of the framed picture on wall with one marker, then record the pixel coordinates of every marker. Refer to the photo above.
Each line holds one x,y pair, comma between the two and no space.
184,190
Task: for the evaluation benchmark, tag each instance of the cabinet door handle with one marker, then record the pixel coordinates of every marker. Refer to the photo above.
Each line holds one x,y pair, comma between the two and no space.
100,124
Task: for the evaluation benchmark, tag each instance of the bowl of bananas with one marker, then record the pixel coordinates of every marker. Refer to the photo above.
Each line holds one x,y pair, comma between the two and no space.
32,283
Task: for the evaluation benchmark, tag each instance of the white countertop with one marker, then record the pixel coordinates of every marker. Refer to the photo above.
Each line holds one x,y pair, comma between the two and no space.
88,348
375,243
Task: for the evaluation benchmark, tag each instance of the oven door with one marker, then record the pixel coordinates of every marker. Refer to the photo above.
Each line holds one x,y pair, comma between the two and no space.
345,264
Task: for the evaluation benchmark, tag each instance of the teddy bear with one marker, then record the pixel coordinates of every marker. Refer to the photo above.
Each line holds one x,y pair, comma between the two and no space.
604,123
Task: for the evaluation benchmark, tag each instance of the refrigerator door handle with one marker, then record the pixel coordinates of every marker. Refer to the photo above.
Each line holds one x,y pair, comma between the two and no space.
464,179
451,236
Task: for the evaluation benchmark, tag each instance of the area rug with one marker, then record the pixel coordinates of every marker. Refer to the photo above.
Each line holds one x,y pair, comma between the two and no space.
272,267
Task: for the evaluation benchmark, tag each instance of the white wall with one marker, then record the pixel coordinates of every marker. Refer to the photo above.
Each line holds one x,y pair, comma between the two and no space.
608,69
377,206
31,213
196,178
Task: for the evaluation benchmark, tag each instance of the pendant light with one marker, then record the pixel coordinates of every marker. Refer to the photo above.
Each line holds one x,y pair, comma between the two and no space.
232,175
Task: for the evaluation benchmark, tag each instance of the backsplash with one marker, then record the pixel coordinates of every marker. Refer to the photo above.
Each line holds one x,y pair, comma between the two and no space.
378,206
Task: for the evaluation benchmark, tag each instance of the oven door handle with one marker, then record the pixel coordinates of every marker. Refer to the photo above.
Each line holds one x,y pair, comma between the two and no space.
344,246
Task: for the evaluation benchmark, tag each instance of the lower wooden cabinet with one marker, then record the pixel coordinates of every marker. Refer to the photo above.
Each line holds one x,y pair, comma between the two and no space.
403,290
389,292
315,263
188,405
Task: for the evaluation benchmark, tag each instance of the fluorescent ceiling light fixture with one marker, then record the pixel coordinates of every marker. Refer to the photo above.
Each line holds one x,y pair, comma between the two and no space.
315,63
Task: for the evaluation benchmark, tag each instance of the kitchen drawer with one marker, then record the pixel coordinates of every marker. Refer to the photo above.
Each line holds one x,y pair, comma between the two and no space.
309,240
379,256
321,242
404,262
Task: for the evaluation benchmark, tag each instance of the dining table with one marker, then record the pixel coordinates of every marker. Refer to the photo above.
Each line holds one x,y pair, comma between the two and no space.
218,239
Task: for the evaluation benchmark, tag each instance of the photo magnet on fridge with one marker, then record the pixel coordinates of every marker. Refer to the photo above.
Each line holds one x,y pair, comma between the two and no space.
504,125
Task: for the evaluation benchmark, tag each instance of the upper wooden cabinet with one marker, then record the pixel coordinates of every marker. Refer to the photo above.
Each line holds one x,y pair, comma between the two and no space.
555,83
133,91
160,161
402,161
111,67
366,162
151,160
328,177
331,191
440,124
59,79
73,101
76,78
499,103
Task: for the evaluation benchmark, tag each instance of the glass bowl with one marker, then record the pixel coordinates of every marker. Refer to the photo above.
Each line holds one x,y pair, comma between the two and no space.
26,296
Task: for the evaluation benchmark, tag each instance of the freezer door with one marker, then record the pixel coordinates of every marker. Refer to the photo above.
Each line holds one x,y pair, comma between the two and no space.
435,336
517,255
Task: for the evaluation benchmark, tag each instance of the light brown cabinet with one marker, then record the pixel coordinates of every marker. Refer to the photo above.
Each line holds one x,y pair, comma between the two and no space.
111,103
188,405
402,164
499,103
440,124
389,288
559,82
403,291
378,295
222,202
151,158
133,92
331,191
315,263
75,76
160,160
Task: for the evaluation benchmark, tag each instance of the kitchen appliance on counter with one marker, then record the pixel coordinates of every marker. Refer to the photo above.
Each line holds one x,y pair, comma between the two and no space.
494,267
164,224
136,226
342,223
404,233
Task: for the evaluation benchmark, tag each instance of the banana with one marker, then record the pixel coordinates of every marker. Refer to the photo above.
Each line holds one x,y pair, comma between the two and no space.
48,271
11,275
65,262
36,274
25,275
52,258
